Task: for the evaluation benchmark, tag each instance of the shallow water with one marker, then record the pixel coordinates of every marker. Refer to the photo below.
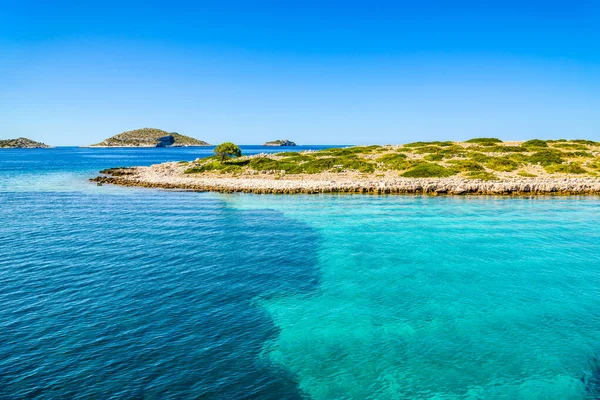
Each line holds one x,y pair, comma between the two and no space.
146,293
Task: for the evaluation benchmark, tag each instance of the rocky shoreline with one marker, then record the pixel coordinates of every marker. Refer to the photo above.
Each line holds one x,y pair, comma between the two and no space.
172,176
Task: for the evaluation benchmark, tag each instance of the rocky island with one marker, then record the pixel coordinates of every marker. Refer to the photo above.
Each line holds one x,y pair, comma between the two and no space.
22,143
477,166
150,137
280,143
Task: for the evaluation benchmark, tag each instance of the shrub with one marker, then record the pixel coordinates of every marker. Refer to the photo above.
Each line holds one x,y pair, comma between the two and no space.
484,141
501,164
535,143
434,157
546,157
421,144
428,170
466,165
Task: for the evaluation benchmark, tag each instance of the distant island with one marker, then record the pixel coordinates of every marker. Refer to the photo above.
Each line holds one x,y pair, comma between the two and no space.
150,137
280,143
22,143
477,166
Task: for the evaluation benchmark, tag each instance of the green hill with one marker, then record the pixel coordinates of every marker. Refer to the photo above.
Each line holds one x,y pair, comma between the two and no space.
150,137
22,143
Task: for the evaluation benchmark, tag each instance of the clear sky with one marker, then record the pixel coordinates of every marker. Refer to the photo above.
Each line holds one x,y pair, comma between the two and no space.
316,72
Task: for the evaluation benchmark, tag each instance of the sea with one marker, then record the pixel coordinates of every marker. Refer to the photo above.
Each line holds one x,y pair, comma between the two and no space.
129,293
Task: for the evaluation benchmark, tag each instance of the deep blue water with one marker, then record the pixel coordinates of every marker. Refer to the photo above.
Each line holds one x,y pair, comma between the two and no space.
109,292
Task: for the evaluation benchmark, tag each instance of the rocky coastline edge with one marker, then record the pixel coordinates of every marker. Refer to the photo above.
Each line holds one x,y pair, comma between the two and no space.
171,176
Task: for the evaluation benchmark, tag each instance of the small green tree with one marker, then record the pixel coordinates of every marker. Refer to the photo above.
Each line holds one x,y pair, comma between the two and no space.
226,150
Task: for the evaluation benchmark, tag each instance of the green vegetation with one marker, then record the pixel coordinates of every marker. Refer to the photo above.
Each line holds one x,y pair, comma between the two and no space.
428,170
586,142
501,164
535,143
546,157
337,164
484,176
227,150
484,141
466,165
479,158
395,161
421,144
526,174
565,169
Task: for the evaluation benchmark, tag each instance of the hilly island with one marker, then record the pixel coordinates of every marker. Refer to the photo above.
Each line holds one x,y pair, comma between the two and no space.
477,166
150,137
22,143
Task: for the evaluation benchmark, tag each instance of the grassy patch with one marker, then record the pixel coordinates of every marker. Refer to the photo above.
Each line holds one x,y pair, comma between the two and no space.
565,169
504,149
579,154
588,142
396,161
428,170
427,150
479,157
570,146
268,164
347,151
336,164
293,156
214,166
434,157
484,176
501,164
526,174
466,165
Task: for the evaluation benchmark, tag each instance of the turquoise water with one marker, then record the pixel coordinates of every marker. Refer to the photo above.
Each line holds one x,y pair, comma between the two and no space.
133,293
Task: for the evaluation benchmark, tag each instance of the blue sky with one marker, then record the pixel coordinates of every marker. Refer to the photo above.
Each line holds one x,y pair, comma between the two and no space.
326,72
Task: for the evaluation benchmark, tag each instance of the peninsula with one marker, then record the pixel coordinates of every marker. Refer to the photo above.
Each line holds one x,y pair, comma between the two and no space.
22,143
150,137
477,166
280,143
